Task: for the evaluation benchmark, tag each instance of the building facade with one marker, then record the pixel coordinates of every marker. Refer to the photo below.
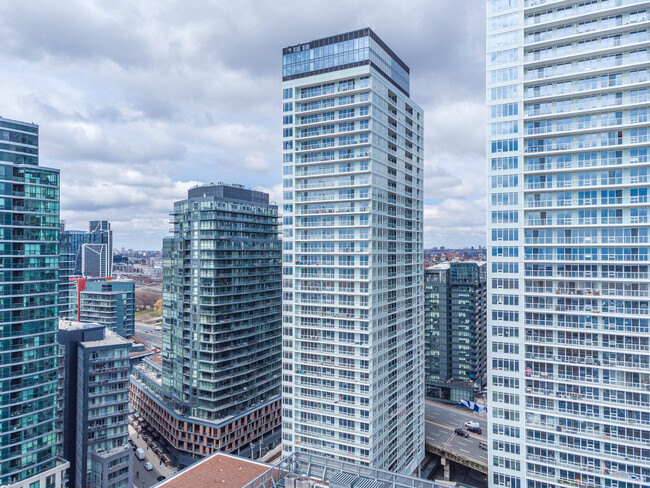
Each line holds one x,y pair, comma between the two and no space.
30,434
353,325
96,405
455,322
569,344
221,354
110,303
69,254
97,251
82,254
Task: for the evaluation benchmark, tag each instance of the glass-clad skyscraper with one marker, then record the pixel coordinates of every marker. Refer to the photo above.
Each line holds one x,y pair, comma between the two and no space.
455,320
353,330
569,364
97,250
218,387
29,245
69,267
221,299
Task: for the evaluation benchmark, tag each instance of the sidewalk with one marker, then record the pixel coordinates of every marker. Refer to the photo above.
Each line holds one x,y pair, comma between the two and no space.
150,455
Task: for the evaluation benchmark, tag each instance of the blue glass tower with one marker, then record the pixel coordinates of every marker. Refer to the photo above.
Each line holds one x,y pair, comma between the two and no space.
29,246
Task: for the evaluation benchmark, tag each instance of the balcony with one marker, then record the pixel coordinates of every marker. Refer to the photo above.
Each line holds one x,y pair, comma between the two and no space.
581,11
586,183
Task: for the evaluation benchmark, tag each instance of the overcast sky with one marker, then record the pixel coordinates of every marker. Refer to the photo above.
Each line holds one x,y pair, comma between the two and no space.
138,101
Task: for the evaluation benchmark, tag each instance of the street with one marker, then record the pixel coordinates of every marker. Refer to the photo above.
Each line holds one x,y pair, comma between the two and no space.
141,477
152,334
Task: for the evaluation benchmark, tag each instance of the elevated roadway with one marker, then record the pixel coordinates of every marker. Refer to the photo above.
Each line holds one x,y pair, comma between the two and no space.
441,439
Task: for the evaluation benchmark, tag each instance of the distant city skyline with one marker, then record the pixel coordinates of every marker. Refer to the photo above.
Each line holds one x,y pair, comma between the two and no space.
134,113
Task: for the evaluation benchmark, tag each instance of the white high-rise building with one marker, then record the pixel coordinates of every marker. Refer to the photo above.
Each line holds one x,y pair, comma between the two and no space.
569,344
353,328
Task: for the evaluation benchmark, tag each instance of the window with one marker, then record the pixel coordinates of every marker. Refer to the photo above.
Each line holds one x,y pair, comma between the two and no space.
510,162
498,5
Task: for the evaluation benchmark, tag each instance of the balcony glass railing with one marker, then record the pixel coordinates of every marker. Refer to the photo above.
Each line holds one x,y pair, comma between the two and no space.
586,183
575,11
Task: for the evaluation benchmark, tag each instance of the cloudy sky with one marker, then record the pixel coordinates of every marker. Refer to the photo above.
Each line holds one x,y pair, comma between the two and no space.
138,101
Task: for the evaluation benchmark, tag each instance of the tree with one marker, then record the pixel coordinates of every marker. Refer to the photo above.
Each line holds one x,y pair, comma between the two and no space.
157,307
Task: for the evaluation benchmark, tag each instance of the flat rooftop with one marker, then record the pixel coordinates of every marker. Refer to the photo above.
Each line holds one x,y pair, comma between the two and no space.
218,470
110,339
229,471
156,358
74,325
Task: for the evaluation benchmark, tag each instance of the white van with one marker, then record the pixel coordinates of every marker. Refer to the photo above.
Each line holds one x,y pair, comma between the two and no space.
471,423
139,453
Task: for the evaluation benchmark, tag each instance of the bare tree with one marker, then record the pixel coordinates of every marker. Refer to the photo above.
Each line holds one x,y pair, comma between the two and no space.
145,300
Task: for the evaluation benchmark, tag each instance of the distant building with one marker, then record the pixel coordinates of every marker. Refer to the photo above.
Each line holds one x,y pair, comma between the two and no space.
218,384
108,302
455,325
96,405
30,433
70,242
82,254
97,252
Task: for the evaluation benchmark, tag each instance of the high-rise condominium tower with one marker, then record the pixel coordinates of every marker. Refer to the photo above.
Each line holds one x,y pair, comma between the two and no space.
568,243
96,402
29,245
455,319
353,329
108,302
219,384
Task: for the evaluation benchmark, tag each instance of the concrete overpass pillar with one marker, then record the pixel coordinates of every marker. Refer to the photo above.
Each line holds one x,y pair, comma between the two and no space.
446,464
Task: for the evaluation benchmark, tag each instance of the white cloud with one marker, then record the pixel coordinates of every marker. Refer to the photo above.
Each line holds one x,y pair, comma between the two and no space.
137,101
455,223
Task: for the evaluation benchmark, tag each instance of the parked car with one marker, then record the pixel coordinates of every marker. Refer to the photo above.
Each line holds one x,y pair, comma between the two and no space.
482,445
148,466
461,432
476,430
160,478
